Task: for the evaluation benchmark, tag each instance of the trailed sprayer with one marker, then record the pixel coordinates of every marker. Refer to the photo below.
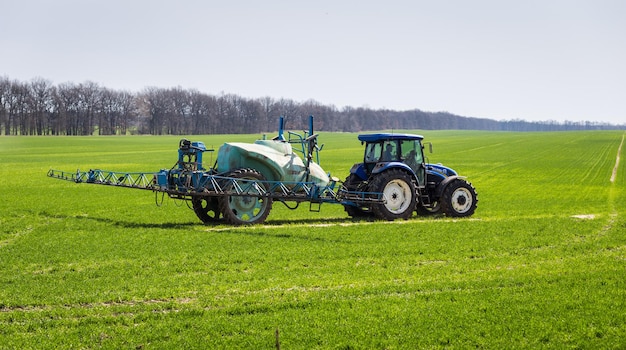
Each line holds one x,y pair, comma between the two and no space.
392,182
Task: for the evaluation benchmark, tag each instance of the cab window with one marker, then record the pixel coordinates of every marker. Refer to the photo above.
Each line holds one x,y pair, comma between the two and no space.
412,152
373,152
389,152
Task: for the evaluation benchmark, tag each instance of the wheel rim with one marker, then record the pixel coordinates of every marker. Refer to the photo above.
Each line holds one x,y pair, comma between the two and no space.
461,200
244,206
398,196
247,208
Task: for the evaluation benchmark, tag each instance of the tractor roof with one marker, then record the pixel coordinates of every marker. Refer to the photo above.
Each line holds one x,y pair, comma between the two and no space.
388,137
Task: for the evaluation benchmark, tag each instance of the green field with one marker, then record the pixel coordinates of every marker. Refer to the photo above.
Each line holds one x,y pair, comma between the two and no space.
541,264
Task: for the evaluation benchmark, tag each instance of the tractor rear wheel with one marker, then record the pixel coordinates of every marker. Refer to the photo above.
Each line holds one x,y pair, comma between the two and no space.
244,210
206,208
459,199
399,193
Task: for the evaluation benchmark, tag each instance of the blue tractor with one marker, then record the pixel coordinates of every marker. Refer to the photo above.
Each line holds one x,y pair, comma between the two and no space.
394,165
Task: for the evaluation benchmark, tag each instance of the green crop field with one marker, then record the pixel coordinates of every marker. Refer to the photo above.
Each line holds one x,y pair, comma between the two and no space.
541,264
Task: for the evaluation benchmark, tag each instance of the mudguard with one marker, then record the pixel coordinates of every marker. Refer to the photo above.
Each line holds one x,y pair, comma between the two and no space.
443,184
380,167
359,170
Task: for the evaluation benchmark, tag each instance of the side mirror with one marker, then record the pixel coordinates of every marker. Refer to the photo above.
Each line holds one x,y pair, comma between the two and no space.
430,146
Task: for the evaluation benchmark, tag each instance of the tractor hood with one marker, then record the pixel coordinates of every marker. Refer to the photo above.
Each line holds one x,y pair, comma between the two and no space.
440,169
274,159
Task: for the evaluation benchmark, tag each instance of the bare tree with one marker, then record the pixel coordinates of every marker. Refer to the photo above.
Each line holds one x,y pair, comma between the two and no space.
41,102
157,106
67,103
179,120
5,95
17,107
127,109
90,94
268,111
203,111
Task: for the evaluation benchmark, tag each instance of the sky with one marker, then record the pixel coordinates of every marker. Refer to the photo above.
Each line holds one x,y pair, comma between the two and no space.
535,60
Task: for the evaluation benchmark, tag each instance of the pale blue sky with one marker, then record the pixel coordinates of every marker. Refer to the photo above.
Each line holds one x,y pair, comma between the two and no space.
532,60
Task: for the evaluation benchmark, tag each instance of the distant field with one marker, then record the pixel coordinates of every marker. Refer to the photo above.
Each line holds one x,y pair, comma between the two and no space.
541,264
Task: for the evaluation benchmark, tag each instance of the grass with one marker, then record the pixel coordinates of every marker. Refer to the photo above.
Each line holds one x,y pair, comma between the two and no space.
85,266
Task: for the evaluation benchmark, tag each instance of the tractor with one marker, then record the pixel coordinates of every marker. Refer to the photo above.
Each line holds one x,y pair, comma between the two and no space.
394,165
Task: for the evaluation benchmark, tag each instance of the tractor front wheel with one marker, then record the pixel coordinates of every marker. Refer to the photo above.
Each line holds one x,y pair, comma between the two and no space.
398,192
206,208
459,199
245,210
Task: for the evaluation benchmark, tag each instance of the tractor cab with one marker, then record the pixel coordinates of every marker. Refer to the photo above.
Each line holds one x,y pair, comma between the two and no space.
383,151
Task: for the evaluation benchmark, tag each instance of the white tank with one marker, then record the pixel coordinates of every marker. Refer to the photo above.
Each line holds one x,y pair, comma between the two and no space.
274,159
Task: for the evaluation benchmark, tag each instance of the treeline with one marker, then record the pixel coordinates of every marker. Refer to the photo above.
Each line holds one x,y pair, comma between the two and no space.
40,108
